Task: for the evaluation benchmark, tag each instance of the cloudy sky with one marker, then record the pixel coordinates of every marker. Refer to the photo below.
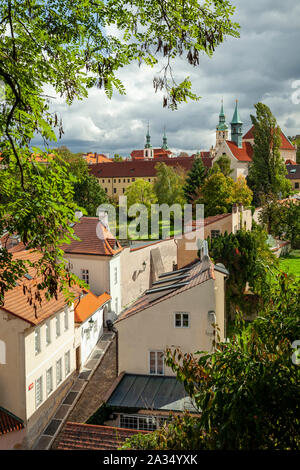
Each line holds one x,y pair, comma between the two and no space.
261,65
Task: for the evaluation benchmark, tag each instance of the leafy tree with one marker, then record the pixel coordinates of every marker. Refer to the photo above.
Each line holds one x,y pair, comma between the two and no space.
168,185
267,171
194,180
224,164
246,389
217,194
117,158
141,192
66,45
241,192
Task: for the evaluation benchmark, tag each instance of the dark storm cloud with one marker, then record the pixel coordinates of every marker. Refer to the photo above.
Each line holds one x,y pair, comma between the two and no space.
259,66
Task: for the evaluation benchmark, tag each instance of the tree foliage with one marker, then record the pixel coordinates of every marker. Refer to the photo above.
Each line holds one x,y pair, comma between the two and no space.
141,192
267,171
247,388
224,164
168,185
69,46
194,179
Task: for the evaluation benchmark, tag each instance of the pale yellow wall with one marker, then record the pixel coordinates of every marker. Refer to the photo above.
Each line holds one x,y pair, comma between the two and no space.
37,365
239,168
98,267
153,328
135,279
120,184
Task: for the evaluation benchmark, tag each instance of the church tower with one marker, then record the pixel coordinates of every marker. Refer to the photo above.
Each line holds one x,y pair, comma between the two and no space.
237,127
222,128
148,150
165,141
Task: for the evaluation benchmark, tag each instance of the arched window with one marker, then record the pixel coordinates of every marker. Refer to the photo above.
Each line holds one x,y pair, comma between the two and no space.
2,352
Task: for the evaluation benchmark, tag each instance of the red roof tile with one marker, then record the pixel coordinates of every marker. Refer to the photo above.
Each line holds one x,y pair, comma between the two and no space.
9,422
85,306
77,436
285,143
95,239
141,168
243,154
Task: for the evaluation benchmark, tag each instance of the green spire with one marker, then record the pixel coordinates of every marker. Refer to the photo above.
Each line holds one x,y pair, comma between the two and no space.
165,140
236,117
237,127
222,126
148,139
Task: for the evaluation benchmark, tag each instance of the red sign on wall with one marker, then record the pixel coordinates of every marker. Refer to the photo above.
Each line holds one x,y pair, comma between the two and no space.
30,386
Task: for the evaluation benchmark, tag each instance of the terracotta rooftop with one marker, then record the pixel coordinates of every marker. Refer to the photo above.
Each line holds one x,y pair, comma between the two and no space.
285,143
158,153
77,436
174,284
17,303
9,422
141,168
243,154
95,239
93,158
85,307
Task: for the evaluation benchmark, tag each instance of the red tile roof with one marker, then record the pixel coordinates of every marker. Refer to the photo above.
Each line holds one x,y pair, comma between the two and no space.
290,162
243,154
93,158
77,436
285,143
158,153
9,422
141,168
85,307
200,272
95,239
18,304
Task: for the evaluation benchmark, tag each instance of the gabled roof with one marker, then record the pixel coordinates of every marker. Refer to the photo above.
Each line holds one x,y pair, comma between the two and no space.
140,168
18,304
95,238
87,305
243,154
75,436
9,422
158,153
285,143
196,274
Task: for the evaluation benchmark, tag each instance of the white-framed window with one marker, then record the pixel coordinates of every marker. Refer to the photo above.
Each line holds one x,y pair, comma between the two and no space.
49,381
182,320
67,363
66,318
48,333
85,275
57,323
37,340
58,371
156,363
116,275
38,391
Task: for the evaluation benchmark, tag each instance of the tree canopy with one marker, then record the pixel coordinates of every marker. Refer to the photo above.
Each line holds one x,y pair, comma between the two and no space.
141,192
194,179
66,47
168,185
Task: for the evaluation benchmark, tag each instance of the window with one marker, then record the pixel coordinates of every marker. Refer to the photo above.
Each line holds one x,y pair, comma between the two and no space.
57,326
37,341
67,363
106,190
85,275
66,319
296,185
128,181
133,179
48,333
119,181
38,391
115,190
115,180
156,360
116,275
123,190
58,372
215,233
143,423
182,320
49,381
124,180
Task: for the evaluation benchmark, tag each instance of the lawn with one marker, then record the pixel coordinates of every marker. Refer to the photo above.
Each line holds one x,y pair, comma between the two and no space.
291,263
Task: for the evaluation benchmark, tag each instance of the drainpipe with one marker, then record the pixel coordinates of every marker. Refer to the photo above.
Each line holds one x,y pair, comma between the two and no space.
111,327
